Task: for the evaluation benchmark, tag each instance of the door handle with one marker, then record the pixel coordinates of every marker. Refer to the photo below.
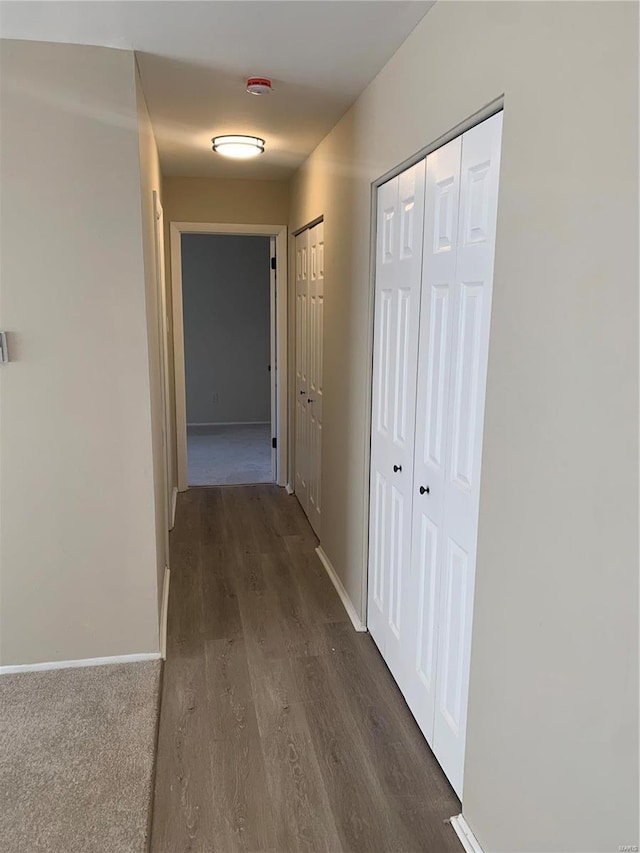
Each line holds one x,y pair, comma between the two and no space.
397,468
424,491
303,393
309,400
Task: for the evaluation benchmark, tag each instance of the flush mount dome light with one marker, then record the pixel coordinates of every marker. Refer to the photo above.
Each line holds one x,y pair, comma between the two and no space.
238,146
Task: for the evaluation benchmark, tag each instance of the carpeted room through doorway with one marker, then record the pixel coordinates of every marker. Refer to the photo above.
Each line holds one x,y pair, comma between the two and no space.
77,756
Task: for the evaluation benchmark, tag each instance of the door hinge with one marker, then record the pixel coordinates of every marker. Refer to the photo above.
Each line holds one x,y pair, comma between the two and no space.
274,442
273,263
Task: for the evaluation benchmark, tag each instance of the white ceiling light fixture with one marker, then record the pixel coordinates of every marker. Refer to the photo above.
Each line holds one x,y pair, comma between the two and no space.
259,86
238,146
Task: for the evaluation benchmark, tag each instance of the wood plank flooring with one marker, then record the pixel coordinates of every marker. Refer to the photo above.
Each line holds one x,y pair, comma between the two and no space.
281,728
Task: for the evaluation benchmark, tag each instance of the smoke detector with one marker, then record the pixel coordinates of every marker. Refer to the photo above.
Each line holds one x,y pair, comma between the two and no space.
259,85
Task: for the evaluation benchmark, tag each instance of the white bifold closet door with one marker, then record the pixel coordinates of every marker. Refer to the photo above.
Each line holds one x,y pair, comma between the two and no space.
302,370
438,569
397,307
309,248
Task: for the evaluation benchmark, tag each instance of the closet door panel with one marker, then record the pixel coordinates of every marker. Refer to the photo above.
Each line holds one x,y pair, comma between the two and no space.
397,305
431,440
469,355
382,410
302,370
431,336
407,318
314,400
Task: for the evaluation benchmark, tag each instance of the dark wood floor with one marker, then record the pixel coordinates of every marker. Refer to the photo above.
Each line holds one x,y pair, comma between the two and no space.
281,728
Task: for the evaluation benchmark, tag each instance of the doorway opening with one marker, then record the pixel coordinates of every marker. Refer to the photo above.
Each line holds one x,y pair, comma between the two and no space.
226,304
229,336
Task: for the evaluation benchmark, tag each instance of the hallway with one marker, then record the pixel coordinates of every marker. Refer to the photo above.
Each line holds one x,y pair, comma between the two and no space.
281,728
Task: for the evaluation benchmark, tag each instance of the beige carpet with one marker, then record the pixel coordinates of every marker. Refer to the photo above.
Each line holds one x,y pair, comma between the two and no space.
77,750
229,454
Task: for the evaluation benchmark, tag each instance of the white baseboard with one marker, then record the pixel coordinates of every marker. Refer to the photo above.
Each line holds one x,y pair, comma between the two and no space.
467,838
289,489
164,612
352,613
174,503
72,664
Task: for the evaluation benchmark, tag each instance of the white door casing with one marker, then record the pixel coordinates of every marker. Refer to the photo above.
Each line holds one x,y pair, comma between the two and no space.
161,301
176,230
397,307
302,372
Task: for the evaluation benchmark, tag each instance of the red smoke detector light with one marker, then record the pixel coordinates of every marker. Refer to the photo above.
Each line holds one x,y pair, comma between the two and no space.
259,85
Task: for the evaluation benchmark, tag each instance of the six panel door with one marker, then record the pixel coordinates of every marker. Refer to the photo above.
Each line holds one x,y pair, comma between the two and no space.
314,400
429,466
309,249
397,307
465,421
302,370
424,511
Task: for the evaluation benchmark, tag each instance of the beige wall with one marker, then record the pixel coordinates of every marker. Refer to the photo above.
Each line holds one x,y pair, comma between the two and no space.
77,527
226,302
229,201
219,201
150,180
552,750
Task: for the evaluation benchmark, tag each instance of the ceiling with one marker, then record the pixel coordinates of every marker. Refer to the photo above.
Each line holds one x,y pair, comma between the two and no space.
195,55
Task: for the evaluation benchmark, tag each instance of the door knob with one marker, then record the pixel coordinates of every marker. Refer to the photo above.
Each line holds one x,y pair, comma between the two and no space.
397,468
303,393
423,490
309,400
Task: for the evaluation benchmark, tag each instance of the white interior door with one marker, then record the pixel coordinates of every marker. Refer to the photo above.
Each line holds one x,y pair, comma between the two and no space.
396,324
471,300
314,362
164,362
432,316
302,370
429,467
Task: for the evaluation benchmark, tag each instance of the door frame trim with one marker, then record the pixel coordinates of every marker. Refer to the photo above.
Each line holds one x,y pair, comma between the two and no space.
479,116
164,363
463,831
176,230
